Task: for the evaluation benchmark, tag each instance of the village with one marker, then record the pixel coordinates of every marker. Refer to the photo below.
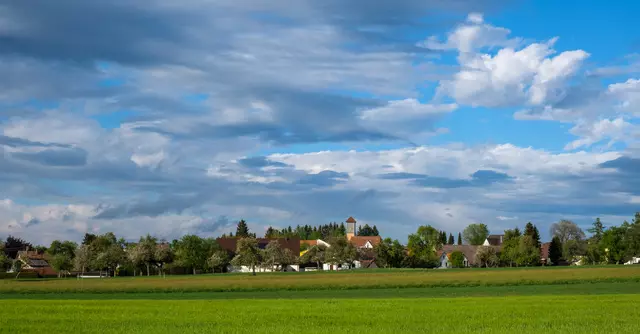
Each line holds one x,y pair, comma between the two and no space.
285,252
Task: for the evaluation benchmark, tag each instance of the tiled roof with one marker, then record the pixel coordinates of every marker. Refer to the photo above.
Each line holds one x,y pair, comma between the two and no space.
309,242
360,241
495,239
469,251
351,220
229,244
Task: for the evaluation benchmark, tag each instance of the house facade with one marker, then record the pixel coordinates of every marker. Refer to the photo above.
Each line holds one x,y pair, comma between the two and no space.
32,261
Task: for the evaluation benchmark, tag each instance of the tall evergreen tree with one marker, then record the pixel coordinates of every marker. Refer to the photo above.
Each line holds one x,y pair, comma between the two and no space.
242,230
555,250
459,238
597,230
375,231
450,241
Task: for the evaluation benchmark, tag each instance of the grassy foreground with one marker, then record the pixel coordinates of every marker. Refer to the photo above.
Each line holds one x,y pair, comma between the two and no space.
530,314
378,279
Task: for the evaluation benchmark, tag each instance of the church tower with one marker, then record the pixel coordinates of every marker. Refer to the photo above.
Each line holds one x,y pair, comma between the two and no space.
351,228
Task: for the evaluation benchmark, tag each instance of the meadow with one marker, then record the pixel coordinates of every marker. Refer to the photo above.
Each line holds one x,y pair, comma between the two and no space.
548,300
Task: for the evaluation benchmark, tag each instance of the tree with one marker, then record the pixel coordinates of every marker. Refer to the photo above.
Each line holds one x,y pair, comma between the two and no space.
457,259
375,231
272,255
528,251
532,231
571,237
219,259
16,266
486,256
82,258
111,257
425,242
475,234
459,238
597,230
389,253
247,254
163,255
510,246
340,252
191,253
13,245
613,241
148,245
242,230
315,254
61,263
66,248
137,257
555,250
450,241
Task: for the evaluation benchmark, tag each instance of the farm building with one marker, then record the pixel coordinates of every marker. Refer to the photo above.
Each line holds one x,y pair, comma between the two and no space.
494,240
32,261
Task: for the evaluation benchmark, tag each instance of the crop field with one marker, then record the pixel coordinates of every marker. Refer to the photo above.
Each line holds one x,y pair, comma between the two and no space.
331,280
538,300
531,314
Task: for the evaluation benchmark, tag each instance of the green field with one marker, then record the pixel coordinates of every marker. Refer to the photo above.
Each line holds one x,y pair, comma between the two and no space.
357,279
537,300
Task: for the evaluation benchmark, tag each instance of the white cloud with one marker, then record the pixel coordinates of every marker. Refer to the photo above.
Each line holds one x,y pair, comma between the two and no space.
514,77
591,133
472,36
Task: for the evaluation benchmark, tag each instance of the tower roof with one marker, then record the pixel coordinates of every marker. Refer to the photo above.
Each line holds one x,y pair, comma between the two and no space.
351,220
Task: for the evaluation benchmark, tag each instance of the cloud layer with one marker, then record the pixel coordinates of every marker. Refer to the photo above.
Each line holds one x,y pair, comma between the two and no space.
136,117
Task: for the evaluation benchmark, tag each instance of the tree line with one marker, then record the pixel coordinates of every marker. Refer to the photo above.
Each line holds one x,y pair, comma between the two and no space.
149,255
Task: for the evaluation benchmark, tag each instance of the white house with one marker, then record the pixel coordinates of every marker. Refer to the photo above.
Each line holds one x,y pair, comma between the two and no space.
634,260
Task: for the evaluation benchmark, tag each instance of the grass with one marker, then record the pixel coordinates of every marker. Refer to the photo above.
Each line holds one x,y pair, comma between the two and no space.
521,314
433,292
377,279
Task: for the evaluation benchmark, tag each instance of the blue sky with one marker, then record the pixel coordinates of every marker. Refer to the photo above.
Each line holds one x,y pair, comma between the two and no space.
138,117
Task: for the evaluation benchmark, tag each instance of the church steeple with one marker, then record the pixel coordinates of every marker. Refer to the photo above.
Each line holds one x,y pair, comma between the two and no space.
351,228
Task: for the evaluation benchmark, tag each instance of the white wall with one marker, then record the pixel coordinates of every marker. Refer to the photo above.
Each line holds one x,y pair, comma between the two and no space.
247,269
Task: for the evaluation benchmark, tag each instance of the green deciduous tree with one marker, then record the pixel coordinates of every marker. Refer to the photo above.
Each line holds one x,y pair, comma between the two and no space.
486,256
272,255
190,252
82,258
163,255
389,253
457,259
218,260
148,245
510,246
315,254
614,243
340,252
111,257
247,254
571,237
528,251
475,234
426,240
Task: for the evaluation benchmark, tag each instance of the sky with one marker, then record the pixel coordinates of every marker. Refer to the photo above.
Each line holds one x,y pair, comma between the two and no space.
174,118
